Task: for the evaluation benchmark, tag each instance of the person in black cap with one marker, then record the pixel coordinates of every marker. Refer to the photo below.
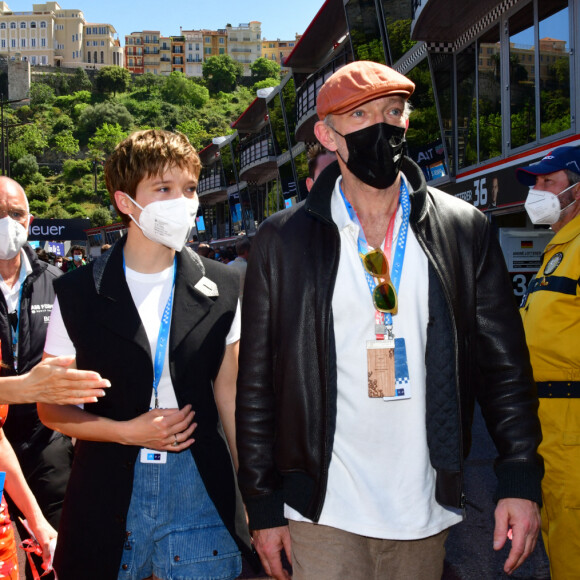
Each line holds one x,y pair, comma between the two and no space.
551,315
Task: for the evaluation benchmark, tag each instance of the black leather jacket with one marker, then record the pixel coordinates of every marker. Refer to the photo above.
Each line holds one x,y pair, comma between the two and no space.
286,404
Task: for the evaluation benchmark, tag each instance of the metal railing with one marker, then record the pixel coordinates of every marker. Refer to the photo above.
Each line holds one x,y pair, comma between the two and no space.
307,93
257,148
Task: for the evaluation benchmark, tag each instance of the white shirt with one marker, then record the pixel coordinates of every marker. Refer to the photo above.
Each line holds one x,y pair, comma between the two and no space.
380,482
11,295
150,293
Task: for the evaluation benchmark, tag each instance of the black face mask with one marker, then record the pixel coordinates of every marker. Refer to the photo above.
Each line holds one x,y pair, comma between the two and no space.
375,154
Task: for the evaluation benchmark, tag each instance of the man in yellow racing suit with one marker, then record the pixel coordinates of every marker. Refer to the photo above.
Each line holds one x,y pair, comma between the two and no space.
551,315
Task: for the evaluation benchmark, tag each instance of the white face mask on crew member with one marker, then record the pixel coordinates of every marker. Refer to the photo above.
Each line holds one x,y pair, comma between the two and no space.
168,222
543,207
13,236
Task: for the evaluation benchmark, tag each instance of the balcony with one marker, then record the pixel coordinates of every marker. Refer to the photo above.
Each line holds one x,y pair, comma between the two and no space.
306,95
258,158
212,187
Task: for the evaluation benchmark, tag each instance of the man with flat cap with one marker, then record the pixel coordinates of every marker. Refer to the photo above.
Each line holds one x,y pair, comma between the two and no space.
375,313
551,314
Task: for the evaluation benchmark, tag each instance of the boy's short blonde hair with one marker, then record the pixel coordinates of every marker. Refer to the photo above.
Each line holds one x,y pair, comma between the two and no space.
145,154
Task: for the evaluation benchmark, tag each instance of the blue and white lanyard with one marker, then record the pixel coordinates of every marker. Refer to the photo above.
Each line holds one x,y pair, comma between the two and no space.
162,337
398,258
16,332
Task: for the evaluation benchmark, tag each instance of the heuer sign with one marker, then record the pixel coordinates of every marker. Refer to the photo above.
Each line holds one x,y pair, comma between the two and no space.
71,229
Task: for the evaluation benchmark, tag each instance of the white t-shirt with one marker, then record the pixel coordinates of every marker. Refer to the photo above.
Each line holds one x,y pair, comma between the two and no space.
380,482
150,293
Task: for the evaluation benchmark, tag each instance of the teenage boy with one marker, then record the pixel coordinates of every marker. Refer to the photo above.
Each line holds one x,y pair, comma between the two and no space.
162,324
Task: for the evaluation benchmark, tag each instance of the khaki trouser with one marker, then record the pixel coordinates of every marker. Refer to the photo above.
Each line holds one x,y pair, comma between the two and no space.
325,553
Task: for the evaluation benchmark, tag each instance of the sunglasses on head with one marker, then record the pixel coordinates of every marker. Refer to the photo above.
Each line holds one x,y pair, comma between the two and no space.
384,295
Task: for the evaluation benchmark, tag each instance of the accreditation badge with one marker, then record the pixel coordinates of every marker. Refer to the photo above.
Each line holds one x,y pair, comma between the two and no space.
388,373
153,456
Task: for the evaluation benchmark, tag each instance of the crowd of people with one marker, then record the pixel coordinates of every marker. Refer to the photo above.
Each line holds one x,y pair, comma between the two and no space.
309,393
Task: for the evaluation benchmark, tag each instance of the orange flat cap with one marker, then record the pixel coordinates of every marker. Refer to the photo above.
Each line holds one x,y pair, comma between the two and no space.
357,83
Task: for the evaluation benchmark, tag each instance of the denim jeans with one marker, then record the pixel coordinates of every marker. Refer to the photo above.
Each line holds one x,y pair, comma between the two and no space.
173,528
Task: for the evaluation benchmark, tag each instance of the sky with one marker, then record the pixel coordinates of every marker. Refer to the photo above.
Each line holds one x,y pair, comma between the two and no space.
168,15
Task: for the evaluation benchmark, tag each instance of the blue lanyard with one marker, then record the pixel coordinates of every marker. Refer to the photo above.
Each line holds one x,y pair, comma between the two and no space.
162,337
400,246
16,332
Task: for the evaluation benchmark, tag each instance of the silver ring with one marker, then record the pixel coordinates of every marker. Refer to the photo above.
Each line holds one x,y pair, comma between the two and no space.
176,442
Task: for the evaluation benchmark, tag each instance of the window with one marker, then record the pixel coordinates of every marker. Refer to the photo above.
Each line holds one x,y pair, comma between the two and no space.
13,25
33,42
3,43
222,40
95,57
88,56
33,60
23,25
222,50
207,50
43,42
208,39
13,43
102,57
3,25
43,60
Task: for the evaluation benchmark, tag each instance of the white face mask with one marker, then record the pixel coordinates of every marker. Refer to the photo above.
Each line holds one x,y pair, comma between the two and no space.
13,236
543,207
168,222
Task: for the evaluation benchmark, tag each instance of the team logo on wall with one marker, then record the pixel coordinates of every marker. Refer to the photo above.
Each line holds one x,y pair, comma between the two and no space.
553,263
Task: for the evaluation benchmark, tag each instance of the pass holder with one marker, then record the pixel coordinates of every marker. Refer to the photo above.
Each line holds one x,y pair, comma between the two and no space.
153,456
381,368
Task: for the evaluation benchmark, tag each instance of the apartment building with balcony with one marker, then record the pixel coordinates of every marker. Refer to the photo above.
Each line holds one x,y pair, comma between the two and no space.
178,54
165,56
244,43
101,48
193,52
134,61
215,42
278,50
53,36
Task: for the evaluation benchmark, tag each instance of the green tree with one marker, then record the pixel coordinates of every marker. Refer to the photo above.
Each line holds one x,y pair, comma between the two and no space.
196,135
105,140
148,82
27,139
113,79
74,169
25,169
41,94
262,69
93,117
222,73
56,212
38,192
80,81
265,84
101,217
65,143
180,90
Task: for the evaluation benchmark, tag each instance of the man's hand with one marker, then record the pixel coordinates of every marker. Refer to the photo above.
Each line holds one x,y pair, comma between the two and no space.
269,543
55,381
518,519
